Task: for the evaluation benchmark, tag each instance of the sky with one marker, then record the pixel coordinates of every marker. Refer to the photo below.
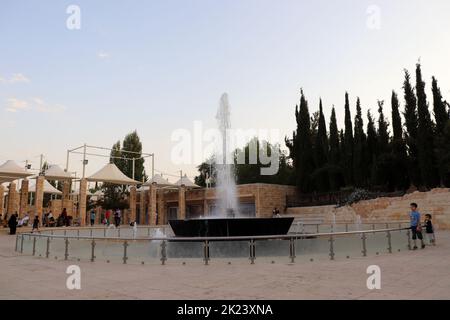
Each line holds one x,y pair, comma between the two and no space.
158,66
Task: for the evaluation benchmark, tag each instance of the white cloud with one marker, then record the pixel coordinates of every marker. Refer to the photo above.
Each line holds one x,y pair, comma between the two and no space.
15,78
41,106
103,55
18,77
14,105
34,104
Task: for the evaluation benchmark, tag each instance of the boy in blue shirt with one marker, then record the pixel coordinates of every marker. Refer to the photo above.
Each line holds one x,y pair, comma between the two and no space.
416,227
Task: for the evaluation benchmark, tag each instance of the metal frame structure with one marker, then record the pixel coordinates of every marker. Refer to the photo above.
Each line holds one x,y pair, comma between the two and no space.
85,160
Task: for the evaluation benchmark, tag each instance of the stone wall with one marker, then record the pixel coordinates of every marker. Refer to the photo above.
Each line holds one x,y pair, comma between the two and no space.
435,202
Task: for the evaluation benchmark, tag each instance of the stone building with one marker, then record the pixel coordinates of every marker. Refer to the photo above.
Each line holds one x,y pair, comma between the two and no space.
255,200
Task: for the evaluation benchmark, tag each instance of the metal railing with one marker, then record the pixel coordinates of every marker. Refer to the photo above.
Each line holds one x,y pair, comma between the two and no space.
293,242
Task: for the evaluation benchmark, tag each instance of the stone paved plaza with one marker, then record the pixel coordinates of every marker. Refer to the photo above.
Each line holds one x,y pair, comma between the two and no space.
422,274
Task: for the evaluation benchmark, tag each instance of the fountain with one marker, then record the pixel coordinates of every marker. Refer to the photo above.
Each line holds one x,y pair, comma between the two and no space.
135,230
358,223
227,221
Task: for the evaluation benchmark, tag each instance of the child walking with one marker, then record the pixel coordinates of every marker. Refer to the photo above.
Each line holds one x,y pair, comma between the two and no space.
429,229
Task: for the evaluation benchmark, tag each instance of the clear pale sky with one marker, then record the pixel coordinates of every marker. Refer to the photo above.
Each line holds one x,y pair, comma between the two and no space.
157,66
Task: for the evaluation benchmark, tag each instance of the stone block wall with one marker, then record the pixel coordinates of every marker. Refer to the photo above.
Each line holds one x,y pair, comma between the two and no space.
435,202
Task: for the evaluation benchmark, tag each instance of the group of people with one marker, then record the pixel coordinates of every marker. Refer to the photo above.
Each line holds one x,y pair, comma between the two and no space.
14,222
107,217
48,220
417,227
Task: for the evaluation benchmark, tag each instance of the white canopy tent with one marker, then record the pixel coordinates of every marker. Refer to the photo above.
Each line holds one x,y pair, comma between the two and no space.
186,182
48,188
159,180
111,174
10,171
54,172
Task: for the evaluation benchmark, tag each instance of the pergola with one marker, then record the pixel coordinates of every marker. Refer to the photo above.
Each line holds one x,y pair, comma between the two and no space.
108,174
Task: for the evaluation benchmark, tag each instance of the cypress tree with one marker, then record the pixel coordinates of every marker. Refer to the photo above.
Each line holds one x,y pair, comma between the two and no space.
398,146
411,124
321,151
371,148
359,161
301,147
425,141
384,159
348,145
439,107
441,116
334,156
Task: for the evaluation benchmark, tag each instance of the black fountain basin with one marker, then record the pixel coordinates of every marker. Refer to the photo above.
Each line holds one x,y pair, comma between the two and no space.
231,227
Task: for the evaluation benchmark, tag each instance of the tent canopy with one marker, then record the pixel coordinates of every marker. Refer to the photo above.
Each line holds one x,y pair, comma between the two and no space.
48,188
54,172
186,182
159,180
111,174
10,171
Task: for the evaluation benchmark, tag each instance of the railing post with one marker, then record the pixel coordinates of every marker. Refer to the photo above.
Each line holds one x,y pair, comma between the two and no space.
373,227
163,252
125,258
389,242
317,228
21,243
66,251
148,231
90,233
408,234
17,242
78,234
364,246
252,251
292,249
34,245
51,232
104,232
92,250
346,227
118,232
47,249
65,232
206,252
331,248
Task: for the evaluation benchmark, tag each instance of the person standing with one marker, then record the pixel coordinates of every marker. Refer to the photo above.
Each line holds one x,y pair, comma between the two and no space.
64,217
92,217
416,228
35,224
429,230
117,218
107,216
12,224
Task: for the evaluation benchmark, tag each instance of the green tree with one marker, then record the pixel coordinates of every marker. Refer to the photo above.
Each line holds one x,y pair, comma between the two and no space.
359,152
411,132
348,145
425,139
133,143
335,170
372,148
398,147
441,116
320,175
301,147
